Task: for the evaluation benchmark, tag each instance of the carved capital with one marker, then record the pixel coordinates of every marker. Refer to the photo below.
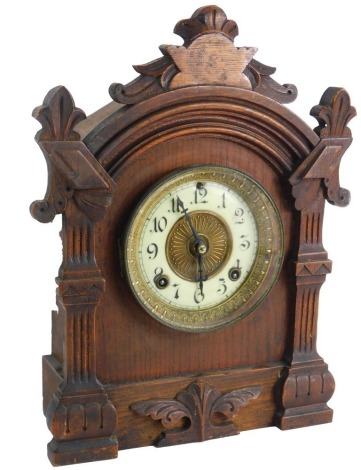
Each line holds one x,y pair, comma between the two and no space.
80,291
74,173
313,268
199,404
207,57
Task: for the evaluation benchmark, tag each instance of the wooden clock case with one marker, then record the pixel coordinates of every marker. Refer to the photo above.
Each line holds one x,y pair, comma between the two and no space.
116,378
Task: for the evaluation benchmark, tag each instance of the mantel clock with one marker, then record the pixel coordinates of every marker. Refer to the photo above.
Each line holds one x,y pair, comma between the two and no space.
192,210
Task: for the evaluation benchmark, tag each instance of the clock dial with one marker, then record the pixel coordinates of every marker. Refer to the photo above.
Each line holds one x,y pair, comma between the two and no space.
203,248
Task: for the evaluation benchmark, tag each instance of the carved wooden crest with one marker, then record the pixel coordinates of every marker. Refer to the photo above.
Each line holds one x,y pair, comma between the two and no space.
207,57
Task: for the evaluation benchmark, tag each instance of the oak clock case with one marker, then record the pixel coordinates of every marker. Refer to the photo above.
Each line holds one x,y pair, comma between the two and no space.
203,248
192,209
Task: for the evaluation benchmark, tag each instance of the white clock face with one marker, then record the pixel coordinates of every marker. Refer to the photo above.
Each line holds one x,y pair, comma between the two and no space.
223,221
200,248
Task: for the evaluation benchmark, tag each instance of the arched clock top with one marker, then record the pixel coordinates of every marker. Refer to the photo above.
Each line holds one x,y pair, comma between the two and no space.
249,118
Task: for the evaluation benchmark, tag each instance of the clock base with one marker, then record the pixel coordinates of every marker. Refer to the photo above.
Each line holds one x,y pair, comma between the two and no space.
90,450
305,416
304,393
196,407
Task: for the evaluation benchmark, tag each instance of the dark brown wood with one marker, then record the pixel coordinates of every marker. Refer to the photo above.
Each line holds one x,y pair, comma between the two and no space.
207,57
200,404
80,188
183,111
308,383
73,171
134,430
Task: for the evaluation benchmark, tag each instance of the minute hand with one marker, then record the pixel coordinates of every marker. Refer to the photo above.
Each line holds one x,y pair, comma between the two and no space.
200,246
188,219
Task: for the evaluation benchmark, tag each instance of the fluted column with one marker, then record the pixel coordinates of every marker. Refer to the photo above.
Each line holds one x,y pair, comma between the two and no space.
80,415
307,385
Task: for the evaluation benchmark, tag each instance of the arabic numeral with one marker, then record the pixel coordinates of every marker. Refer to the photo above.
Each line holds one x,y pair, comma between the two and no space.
198,296
158,273
200,193
176,286
152,250
159,225
245,244
161,281
238,216
175,205
222,286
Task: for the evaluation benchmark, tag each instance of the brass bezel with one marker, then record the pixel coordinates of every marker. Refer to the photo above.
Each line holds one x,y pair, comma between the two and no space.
265,269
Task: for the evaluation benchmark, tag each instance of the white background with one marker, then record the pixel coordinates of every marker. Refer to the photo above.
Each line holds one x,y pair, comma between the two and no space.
86,46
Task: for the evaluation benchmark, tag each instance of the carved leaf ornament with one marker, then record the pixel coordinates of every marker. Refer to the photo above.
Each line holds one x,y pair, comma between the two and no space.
334,113
58,116
198,404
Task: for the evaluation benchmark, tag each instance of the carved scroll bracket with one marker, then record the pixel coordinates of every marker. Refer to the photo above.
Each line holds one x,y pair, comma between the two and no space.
207,57
74,173
199,404
320,170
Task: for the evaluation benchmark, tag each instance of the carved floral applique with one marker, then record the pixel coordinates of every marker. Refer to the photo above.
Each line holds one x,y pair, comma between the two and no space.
199,405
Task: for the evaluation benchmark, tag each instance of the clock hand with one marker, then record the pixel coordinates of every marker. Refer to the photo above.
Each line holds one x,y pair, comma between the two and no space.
200,270
200,246
180,203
